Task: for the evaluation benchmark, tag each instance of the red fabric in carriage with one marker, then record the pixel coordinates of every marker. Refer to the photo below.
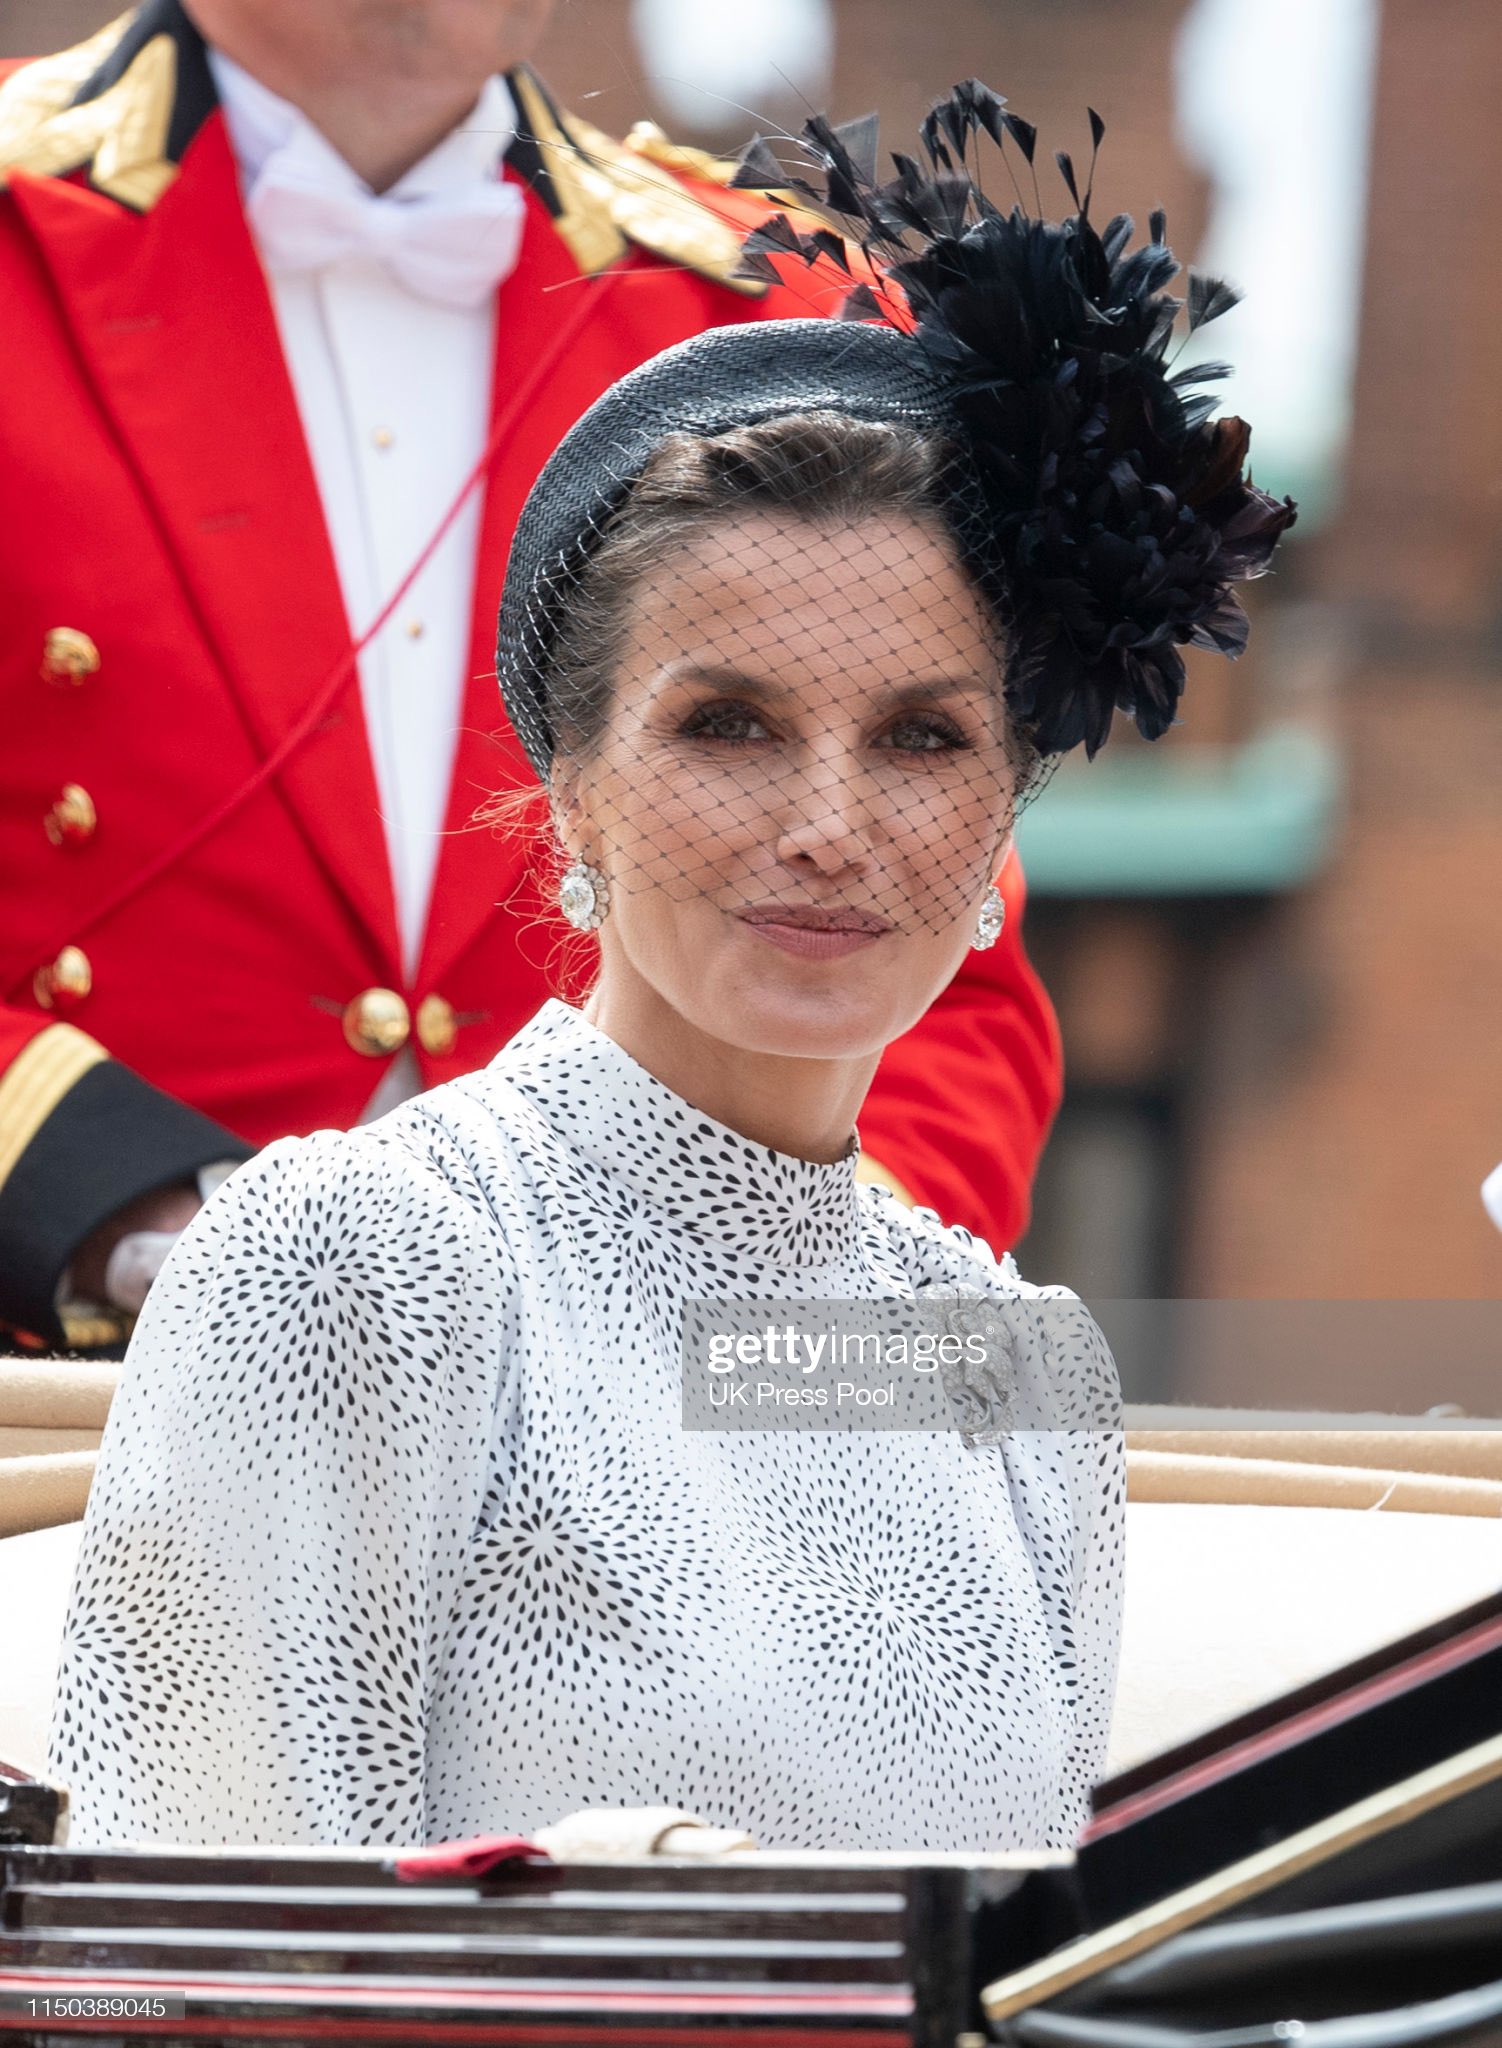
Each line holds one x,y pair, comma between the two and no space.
471,1858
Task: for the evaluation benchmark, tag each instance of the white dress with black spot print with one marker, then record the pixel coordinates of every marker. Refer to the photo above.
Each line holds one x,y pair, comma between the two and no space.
396,1534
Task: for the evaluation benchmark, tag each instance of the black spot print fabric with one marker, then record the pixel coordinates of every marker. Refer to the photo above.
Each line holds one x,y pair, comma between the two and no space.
396,1535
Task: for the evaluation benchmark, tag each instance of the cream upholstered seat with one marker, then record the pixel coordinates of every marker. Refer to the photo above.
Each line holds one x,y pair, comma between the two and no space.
1230,1604
1247,1574
51,1414
36,1571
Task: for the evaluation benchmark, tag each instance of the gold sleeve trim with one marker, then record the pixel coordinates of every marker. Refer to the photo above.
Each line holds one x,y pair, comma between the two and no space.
122,134
36,1081
878,1176
609,195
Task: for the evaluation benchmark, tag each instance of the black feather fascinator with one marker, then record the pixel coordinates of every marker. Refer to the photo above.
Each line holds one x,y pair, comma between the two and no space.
1115,512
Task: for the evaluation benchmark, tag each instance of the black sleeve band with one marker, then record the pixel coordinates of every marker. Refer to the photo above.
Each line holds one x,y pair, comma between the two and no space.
111,1137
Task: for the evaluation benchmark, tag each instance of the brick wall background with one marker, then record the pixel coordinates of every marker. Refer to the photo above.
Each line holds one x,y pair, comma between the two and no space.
1346,1162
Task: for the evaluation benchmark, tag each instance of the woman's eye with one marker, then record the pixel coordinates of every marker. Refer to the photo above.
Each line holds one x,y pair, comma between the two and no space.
735,723
740,725
926,736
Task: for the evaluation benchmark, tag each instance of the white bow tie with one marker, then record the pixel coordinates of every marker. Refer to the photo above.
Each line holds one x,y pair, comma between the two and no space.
451,246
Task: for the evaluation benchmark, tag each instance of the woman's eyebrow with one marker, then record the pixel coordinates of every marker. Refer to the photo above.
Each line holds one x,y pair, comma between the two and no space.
923,690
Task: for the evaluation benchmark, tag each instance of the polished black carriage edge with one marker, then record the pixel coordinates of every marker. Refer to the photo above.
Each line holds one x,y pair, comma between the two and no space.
1395,1941
327,1945
1334,1857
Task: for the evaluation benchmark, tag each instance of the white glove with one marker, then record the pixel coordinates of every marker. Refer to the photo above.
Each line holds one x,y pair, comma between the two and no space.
134,1264
601,1834
1491,1194
139,1257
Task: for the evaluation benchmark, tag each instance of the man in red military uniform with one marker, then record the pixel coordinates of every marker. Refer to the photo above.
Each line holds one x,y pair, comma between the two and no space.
243,893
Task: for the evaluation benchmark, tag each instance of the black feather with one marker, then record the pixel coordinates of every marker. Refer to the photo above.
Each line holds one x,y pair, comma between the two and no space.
1023,133
1106,511
776,233
1097,130
859,139
861,304
957,121
1116,235
757,169
985,106
1209,297
844,186
755,263
929,137
831,245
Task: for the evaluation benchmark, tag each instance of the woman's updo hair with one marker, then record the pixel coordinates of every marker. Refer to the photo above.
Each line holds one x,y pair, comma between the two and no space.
822,466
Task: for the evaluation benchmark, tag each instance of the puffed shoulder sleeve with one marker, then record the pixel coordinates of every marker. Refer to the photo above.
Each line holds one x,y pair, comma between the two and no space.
277,1525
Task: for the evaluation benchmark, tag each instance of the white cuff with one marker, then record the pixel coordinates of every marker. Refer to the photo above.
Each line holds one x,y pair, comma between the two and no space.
125,1284
134,1264
211,1177
601,1834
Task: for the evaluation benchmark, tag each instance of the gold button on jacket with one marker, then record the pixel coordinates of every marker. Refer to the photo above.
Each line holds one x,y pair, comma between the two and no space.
72,818
66,982
68,656
437,1028
377,1022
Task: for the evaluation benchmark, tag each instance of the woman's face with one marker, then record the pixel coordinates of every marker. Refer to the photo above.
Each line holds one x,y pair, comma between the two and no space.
804,787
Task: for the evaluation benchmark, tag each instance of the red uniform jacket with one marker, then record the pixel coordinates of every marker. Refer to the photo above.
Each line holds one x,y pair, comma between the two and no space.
177,960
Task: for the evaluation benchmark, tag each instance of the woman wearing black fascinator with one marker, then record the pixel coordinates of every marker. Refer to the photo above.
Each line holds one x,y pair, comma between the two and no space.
397,1494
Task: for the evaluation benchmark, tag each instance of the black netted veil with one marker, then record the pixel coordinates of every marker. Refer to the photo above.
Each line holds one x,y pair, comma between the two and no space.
919,550
724,378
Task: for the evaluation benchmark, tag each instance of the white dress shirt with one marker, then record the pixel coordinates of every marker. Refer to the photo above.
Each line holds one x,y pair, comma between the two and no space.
393,388
394,393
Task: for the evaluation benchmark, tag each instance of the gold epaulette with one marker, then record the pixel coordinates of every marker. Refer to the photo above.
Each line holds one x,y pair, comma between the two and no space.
647,139
121,133
605,194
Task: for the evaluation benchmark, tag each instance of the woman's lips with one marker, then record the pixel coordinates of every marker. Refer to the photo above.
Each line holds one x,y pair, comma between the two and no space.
811,941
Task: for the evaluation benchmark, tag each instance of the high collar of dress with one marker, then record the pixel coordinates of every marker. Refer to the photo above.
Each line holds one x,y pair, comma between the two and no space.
262,124
700,1176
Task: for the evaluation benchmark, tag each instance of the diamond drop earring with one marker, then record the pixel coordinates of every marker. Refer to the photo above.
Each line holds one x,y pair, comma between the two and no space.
584,897
989,920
